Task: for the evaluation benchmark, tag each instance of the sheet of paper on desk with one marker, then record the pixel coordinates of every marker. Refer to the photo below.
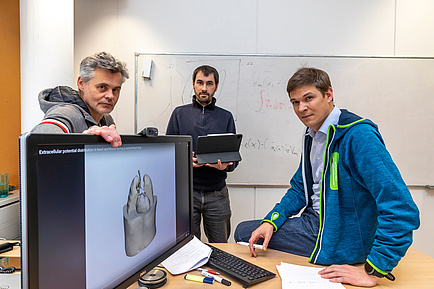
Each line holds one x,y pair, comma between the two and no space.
191,256
301,277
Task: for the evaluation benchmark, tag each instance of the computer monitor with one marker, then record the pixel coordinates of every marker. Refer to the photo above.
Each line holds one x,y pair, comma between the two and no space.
94,216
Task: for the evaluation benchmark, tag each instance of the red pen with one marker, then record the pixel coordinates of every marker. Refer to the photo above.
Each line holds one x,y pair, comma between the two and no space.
209,271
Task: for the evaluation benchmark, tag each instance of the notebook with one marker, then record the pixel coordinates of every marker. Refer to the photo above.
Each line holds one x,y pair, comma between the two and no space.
214,147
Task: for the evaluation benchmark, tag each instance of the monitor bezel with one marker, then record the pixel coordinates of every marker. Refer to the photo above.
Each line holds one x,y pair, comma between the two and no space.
28,194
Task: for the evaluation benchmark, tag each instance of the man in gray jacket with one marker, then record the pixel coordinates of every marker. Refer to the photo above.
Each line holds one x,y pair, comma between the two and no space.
87,110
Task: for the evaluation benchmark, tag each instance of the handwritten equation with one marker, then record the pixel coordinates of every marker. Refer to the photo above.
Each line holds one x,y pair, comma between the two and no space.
271,146
269,103
272,94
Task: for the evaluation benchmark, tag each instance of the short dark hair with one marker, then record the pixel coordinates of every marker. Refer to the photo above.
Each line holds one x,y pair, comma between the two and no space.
207,70
309,76
104,61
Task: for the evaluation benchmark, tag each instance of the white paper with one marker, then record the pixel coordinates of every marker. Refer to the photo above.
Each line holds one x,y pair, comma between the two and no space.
189,257
301,277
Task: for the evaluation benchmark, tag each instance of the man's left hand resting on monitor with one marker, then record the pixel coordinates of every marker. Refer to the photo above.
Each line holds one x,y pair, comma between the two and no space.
109,133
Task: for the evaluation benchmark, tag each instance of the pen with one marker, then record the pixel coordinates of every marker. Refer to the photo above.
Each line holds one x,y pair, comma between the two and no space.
209,271
256,246
217,278
199,279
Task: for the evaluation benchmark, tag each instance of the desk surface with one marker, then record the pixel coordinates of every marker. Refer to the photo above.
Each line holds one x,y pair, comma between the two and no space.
414,271
15,252
13,197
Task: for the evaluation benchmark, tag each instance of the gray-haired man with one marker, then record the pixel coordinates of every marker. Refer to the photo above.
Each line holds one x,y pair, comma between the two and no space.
87,110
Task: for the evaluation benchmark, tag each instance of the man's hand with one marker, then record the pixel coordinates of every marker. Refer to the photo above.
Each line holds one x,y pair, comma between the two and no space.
195,164
219,165
109,133
349,274
264,231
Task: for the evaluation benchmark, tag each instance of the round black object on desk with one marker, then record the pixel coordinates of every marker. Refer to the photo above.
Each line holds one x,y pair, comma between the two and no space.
153,279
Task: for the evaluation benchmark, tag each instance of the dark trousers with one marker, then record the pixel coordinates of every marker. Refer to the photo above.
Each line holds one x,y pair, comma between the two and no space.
297,235
214,208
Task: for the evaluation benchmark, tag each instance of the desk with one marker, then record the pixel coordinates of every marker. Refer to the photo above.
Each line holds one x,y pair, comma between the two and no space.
10,216
416,270
15,252
11,280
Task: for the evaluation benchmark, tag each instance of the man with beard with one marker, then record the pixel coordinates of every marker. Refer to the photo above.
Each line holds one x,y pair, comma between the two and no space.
202,117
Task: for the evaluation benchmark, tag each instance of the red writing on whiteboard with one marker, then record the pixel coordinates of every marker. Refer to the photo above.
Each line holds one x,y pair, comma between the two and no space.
272,104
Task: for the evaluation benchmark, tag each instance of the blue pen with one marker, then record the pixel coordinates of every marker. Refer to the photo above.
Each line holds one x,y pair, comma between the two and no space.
217,278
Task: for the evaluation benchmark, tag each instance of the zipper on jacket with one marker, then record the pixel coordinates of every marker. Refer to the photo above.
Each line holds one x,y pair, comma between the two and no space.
322,200
203,115
315,253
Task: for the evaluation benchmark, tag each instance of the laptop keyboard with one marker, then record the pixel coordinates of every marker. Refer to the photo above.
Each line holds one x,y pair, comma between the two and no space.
237,268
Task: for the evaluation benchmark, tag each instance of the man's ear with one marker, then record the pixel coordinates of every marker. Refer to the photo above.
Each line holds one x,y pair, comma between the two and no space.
329,94
80,84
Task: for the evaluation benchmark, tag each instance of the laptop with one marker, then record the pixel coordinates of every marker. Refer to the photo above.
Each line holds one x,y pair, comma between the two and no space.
214,147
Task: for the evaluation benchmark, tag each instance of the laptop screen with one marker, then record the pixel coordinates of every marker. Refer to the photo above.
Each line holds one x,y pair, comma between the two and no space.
94,216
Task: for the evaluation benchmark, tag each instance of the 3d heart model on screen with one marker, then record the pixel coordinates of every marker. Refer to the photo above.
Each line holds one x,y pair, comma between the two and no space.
139,215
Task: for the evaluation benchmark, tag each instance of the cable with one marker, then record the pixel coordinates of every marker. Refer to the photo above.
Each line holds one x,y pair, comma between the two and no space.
7,270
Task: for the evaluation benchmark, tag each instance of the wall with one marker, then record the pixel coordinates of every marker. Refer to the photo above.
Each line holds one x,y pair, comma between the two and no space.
312,27
46,52
10,88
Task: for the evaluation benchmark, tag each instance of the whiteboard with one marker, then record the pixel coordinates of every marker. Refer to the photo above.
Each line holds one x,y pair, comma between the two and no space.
396,93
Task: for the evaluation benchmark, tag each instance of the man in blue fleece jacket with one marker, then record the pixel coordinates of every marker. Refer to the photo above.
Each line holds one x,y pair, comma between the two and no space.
354,205
202,117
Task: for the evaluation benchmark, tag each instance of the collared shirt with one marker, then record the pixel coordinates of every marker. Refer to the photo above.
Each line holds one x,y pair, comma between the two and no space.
317,153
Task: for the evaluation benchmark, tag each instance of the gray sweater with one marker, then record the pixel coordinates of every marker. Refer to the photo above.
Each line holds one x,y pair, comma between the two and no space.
65,112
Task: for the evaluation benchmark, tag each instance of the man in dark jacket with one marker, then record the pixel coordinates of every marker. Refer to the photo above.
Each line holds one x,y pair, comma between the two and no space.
86,110
202,117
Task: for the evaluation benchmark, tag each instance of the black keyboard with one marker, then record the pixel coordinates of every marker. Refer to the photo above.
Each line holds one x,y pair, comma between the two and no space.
237,268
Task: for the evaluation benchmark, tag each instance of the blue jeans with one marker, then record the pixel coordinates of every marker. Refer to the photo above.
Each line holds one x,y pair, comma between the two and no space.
214,207
296,236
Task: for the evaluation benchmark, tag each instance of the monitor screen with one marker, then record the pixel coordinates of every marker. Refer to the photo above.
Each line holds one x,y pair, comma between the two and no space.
93,216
